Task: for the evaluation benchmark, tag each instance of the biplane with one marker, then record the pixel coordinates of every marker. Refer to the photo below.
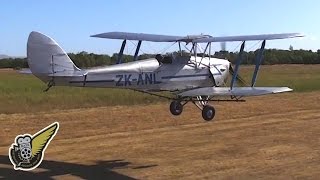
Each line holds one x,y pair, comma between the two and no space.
193,77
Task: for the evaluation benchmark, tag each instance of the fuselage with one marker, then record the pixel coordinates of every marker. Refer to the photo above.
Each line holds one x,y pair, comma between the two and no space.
150,75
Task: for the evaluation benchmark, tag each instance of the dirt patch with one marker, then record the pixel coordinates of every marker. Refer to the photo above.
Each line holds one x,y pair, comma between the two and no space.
266,137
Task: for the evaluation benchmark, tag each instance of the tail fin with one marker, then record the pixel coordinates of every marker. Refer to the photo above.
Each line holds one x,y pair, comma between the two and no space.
47,59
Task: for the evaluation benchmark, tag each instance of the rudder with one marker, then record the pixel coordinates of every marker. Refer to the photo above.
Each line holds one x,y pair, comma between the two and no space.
46,58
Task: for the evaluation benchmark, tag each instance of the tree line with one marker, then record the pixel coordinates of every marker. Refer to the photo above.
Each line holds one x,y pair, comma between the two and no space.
271,56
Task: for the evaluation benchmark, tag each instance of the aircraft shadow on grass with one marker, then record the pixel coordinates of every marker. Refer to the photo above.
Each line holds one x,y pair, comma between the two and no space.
100,170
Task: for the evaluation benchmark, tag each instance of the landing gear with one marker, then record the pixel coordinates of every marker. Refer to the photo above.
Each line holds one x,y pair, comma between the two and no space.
208,112
176,108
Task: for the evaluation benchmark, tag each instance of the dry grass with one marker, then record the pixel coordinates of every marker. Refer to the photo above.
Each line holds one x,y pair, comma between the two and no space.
270,137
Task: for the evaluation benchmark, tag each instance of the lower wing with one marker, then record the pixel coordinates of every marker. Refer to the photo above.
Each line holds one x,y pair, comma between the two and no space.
235,91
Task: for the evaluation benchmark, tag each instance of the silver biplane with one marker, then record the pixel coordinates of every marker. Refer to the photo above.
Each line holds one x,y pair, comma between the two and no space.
190,78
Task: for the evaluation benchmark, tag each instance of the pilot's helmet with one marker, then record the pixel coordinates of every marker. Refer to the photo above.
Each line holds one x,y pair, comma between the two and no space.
159,57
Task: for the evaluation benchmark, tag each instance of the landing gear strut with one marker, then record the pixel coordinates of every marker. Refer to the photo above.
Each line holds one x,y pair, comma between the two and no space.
208,112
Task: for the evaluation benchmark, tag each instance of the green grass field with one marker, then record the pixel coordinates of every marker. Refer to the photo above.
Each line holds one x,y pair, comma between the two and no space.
22,93
301,78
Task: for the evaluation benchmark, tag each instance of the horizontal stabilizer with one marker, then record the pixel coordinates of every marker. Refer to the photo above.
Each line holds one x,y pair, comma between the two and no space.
68,74
57,74
236,91
25,71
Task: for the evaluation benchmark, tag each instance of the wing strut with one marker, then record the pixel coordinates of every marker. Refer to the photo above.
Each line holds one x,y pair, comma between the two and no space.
121,52
180,48
258,63
238,62
137,51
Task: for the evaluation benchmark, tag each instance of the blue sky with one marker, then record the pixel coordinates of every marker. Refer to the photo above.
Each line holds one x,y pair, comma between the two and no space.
71,23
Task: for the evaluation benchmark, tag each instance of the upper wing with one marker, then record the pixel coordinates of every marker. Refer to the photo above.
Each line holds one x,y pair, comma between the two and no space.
42,138
192,38
249,37
236,91
138,36
150,37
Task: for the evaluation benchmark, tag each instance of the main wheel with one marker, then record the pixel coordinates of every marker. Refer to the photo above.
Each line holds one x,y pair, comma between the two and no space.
208,112
176,108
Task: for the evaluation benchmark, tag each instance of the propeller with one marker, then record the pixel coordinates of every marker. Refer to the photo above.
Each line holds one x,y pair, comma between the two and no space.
223,46
223,50
239,79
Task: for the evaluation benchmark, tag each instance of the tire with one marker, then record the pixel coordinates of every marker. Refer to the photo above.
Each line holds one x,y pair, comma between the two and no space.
208,112
176,108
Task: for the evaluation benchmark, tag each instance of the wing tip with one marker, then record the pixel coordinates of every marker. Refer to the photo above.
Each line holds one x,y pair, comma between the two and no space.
96,35
283,89
297,35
